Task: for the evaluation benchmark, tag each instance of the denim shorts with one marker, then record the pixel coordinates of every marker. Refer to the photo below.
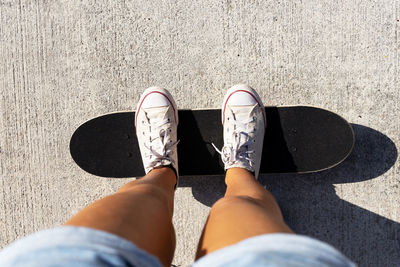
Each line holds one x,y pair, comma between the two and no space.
82,247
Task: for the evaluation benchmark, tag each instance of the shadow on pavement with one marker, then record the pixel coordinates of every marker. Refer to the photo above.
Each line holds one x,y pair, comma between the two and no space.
311,206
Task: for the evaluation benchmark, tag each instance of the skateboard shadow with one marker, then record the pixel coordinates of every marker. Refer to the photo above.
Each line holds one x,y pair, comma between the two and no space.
311,206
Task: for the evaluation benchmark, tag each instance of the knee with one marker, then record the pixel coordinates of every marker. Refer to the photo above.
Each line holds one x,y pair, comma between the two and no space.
149,193
128,186
151,190
229,201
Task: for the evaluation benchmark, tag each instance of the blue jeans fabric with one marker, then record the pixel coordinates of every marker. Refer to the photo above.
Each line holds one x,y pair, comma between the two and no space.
84,247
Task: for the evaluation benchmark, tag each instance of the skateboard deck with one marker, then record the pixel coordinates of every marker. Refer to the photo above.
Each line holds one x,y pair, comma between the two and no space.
298,139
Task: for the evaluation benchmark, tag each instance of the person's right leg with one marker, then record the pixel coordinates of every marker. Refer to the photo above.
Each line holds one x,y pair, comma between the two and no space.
247,209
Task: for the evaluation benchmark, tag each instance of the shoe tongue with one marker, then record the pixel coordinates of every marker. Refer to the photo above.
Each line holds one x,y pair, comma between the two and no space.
242,112
158,113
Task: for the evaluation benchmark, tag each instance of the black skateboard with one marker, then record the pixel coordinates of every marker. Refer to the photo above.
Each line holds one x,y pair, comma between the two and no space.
298,139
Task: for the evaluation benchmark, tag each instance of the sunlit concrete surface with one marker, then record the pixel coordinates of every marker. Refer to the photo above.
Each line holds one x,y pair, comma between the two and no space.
65,62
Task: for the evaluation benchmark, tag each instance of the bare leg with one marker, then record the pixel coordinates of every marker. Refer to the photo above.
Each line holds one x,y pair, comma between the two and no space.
140,211
247,210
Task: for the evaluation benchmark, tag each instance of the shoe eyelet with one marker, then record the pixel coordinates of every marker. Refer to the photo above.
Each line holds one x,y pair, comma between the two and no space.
169,130
254,140
143,133
169,120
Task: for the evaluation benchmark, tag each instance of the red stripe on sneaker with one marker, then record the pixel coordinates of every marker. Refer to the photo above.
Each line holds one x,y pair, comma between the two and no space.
255,98
140,105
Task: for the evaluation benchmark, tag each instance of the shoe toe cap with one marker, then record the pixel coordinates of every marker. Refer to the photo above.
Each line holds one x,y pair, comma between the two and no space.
242,98
154,100
155,97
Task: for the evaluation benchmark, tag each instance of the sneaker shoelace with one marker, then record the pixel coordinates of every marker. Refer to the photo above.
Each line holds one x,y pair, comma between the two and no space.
239,151
159,144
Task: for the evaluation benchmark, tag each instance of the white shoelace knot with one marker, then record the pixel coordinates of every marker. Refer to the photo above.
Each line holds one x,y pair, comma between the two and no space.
238,150
159,143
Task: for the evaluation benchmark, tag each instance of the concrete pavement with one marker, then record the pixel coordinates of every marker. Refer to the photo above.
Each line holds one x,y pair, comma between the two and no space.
64,62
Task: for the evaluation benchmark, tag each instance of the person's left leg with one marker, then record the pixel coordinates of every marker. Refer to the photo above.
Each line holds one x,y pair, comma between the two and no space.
140,211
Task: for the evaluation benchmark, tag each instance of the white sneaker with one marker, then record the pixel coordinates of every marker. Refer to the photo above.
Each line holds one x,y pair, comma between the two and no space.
156,122
244,121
